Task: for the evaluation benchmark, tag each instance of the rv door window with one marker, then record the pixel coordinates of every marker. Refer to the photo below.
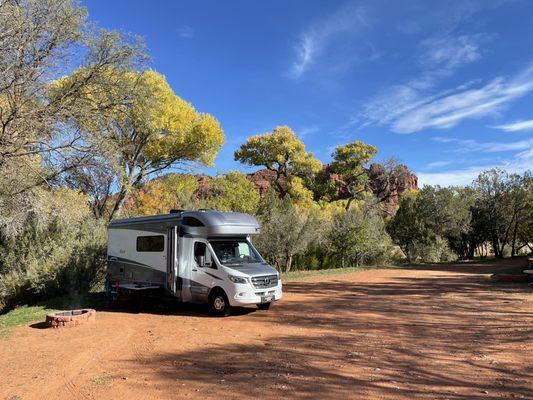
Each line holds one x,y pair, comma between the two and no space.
151,243
200,249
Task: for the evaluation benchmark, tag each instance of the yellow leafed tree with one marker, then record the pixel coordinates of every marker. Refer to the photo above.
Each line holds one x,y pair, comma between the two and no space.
138,122
283,153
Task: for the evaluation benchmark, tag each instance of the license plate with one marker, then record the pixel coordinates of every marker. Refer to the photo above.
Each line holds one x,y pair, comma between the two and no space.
267,299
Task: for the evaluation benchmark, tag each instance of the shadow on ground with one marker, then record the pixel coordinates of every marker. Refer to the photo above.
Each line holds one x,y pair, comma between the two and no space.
486,266
434,337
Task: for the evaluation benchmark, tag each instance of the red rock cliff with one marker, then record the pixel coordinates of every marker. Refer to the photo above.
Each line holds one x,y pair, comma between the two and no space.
384,184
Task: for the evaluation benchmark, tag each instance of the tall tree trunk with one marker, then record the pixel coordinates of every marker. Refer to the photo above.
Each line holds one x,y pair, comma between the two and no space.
133,181
513,244
289,263
118,202
496,246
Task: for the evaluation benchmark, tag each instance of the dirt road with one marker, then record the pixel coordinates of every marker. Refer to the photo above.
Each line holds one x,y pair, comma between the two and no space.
425,333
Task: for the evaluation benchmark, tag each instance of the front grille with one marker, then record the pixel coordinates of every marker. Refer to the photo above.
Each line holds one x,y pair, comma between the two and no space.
264,282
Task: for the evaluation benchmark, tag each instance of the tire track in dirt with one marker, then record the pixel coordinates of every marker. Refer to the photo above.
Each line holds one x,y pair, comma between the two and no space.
72,389
143,346
83,361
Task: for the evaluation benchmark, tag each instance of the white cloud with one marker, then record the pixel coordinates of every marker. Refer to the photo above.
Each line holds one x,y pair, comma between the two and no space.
461,177
518,163
438,164
443,54
315,39
305,53
526,125
468,145
408,111
186,32
307,130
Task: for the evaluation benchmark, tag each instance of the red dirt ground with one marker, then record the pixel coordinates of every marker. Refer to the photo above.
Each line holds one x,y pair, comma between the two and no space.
441,332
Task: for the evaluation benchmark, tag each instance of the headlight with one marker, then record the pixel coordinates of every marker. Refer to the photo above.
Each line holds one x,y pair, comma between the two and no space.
237,279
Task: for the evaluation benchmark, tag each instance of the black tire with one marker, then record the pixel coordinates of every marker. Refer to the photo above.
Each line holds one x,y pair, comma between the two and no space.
264,306
219,304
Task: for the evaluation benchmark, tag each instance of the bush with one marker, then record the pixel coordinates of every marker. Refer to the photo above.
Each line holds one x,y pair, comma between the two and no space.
286,230
358,237
437,250
63,254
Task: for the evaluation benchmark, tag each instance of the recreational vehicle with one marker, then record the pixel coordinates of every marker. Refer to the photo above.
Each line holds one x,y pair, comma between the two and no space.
202,256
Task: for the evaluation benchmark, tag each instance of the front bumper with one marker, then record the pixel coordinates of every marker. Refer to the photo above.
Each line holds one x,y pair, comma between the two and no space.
245,295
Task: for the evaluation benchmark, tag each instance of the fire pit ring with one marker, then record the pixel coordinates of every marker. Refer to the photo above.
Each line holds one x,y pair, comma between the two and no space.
70,318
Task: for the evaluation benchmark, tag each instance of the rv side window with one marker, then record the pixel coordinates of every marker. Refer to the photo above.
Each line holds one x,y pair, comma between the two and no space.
200,249
151,243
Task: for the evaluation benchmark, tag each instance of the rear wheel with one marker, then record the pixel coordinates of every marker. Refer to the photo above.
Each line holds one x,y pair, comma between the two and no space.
264,306
219,304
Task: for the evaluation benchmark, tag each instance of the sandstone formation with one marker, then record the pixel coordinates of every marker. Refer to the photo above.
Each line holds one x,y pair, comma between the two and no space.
386,185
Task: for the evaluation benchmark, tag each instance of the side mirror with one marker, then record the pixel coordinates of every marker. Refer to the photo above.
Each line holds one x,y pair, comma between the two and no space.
201,261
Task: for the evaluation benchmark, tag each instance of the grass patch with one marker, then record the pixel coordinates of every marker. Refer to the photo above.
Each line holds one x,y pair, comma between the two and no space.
296,275
22,315
25,314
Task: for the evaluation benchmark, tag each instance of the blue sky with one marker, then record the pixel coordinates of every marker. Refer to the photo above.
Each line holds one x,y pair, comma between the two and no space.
444,87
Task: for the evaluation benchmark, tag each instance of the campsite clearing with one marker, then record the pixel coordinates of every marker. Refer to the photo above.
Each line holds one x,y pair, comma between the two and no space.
425,332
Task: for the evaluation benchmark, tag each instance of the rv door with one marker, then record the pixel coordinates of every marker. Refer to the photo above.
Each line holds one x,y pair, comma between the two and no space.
172,259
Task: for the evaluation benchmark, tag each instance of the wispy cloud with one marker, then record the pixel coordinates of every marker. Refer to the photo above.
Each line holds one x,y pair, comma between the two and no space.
185,32
468,145
438,164
519,162
526,125
408,111
307,130
314,40
442,55
462,177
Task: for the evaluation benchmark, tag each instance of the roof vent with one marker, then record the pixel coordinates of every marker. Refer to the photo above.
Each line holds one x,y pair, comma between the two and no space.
175,211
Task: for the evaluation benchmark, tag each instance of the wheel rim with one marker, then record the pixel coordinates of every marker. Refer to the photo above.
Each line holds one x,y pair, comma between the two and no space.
219,303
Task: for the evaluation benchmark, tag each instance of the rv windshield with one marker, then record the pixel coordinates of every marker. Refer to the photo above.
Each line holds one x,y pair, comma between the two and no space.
234,252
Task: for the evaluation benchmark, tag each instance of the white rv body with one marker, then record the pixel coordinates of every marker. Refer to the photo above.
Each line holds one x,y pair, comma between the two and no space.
192,255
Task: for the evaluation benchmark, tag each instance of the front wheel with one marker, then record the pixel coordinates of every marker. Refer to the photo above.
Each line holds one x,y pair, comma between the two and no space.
264,306
219,304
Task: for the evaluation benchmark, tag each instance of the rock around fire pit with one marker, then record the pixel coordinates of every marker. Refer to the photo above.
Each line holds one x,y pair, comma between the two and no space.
70,318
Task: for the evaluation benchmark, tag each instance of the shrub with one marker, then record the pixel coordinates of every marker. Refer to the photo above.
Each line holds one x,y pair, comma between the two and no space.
437,250
286,230
64,253
358,237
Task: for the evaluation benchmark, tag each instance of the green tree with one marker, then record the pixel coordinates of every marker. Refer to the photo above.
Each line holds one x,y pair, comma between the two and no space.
232,192
283,153
349,161
358,236
423,222
405,227
524,230
463,231
143,127
285,230
502,200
